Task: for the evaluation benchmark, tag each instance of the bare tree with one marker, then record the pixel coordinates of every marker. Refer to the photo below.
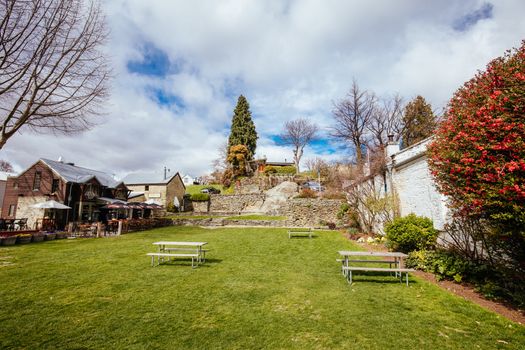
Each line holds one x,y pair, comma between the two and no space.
387,120
298,133
6,166
371,204
53,75
315,165
220,163
352,117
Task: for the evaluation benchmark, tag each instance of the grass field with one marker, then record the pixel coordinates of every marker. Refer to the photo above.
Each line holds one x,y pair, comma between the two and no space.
193,189
258,290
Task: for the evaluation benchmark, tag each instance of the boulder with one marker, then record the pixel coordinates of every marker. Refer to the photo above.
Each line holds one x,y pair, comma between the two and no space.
278,196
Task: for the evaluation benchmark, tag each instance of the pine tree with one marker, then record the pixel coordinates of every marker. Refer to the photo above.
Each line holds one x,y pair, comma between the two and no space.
243,129
419,121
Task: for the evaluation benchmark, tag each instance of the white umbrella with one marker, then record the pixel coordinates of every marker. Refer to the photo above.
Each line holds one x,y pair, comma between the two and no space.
51,204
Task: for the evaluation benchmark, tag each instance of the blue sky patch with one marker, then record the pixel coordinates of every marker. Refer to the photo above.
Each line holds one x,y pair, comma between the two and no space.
155,62
470,19
320,146
164,98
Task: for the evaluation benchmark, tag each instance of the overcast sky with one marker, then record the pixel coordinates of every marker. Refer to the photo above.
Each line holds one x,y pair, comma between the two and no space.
181,65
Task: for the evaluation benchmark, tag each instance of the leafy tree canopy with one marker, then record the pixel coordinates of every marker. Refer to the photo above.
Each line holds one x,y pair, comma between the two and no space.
419,121
478,154
243,129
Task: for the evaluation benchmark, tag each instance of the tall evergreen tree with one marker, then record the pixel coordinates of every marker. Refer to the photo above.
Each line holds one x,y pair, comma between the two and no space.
243,129
419,121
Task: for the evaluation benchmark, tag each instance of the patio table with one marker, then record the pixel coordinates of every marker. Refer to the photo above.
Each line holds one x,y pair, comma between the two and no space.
195,248
395,258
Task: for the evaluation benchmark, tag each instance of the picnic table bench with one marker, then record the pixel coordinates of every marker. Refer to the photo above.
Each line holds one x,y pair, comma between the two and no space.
300,232
398,270
169,250
161,256
394,259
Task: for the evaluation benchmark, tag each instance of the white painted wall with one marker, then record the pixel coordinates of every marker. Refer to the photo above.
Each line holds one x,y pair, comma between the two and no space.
410,178
415,186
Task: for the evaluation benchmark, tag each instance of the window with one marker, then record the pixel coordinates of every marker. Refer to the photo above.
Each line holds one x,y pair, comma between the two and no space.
146,188
11,210
36,181
54,186
15,184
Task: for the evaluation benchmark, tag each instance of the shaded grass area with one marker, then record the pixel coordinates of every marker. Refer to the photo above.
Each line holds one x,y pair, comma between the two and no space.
258,290
196,217
234,217
257,217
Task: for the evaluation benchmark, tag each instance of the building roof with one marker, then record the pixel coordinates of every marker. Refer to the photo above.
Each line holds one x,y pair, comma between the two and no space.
76,174
148,179
135,194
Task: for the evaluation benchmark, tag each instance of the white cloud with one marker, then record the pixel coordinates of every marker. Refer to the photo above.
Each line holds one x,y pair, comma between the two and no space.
289,58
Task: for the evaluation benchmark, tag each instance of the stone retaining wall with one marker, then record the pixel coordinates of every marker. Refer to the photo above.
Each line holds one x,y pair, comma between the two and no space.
308,212
247,203
300,212
201,207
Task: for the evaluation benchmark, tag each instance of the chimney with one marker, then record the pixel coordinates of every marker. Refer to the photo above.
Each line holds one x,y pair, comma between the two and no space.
392,147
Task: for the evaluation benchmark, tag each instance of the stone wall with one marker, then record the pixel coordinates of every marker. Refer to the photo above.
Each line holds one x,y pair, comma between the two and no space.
247,203
308,212
301,212
200,207
25,210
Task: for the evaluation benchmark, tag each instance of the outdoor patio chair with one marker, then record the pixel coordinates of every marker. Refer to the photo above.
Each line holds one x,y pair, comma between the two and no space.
21,224
10,224
3,225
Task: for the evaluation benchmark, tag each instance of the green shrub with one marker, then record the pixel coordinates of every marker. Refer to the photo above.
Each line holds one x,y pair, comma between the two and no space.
410,233
444,264
286,170
200,197
343,209
171,208
270,170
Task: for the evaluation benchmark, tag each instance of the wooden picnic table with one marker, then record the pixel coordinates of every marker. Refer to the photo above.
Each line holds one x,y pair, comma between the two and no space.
170,249
392,258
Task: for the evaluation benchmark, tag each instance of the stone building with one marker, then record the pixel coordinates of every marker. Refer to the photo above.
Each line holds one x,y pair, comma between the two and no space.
156,188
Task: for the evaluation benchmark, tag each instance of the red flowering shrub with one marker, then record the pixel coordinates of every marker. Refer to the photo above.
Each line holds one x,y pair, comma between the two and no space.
478,154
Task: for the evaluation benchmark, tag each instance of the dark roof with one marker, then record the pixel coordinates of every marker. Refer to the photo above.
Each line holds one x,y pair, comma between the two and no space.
147,179
76,174
279,164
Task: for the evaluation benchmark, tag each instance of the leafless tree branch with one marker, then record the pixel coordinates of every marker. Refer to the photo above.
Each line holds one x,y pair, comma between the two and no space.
298,133
53,74
352,116
387,120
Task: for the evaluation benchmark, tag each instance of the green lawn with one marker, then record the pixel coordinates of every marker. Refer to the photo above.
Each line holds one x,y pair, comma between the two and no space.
193,189
258,290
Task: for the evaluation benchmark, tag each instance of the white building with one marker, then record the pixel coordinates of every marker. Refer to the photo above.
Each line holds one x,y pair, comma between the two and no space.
408,177
188,180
